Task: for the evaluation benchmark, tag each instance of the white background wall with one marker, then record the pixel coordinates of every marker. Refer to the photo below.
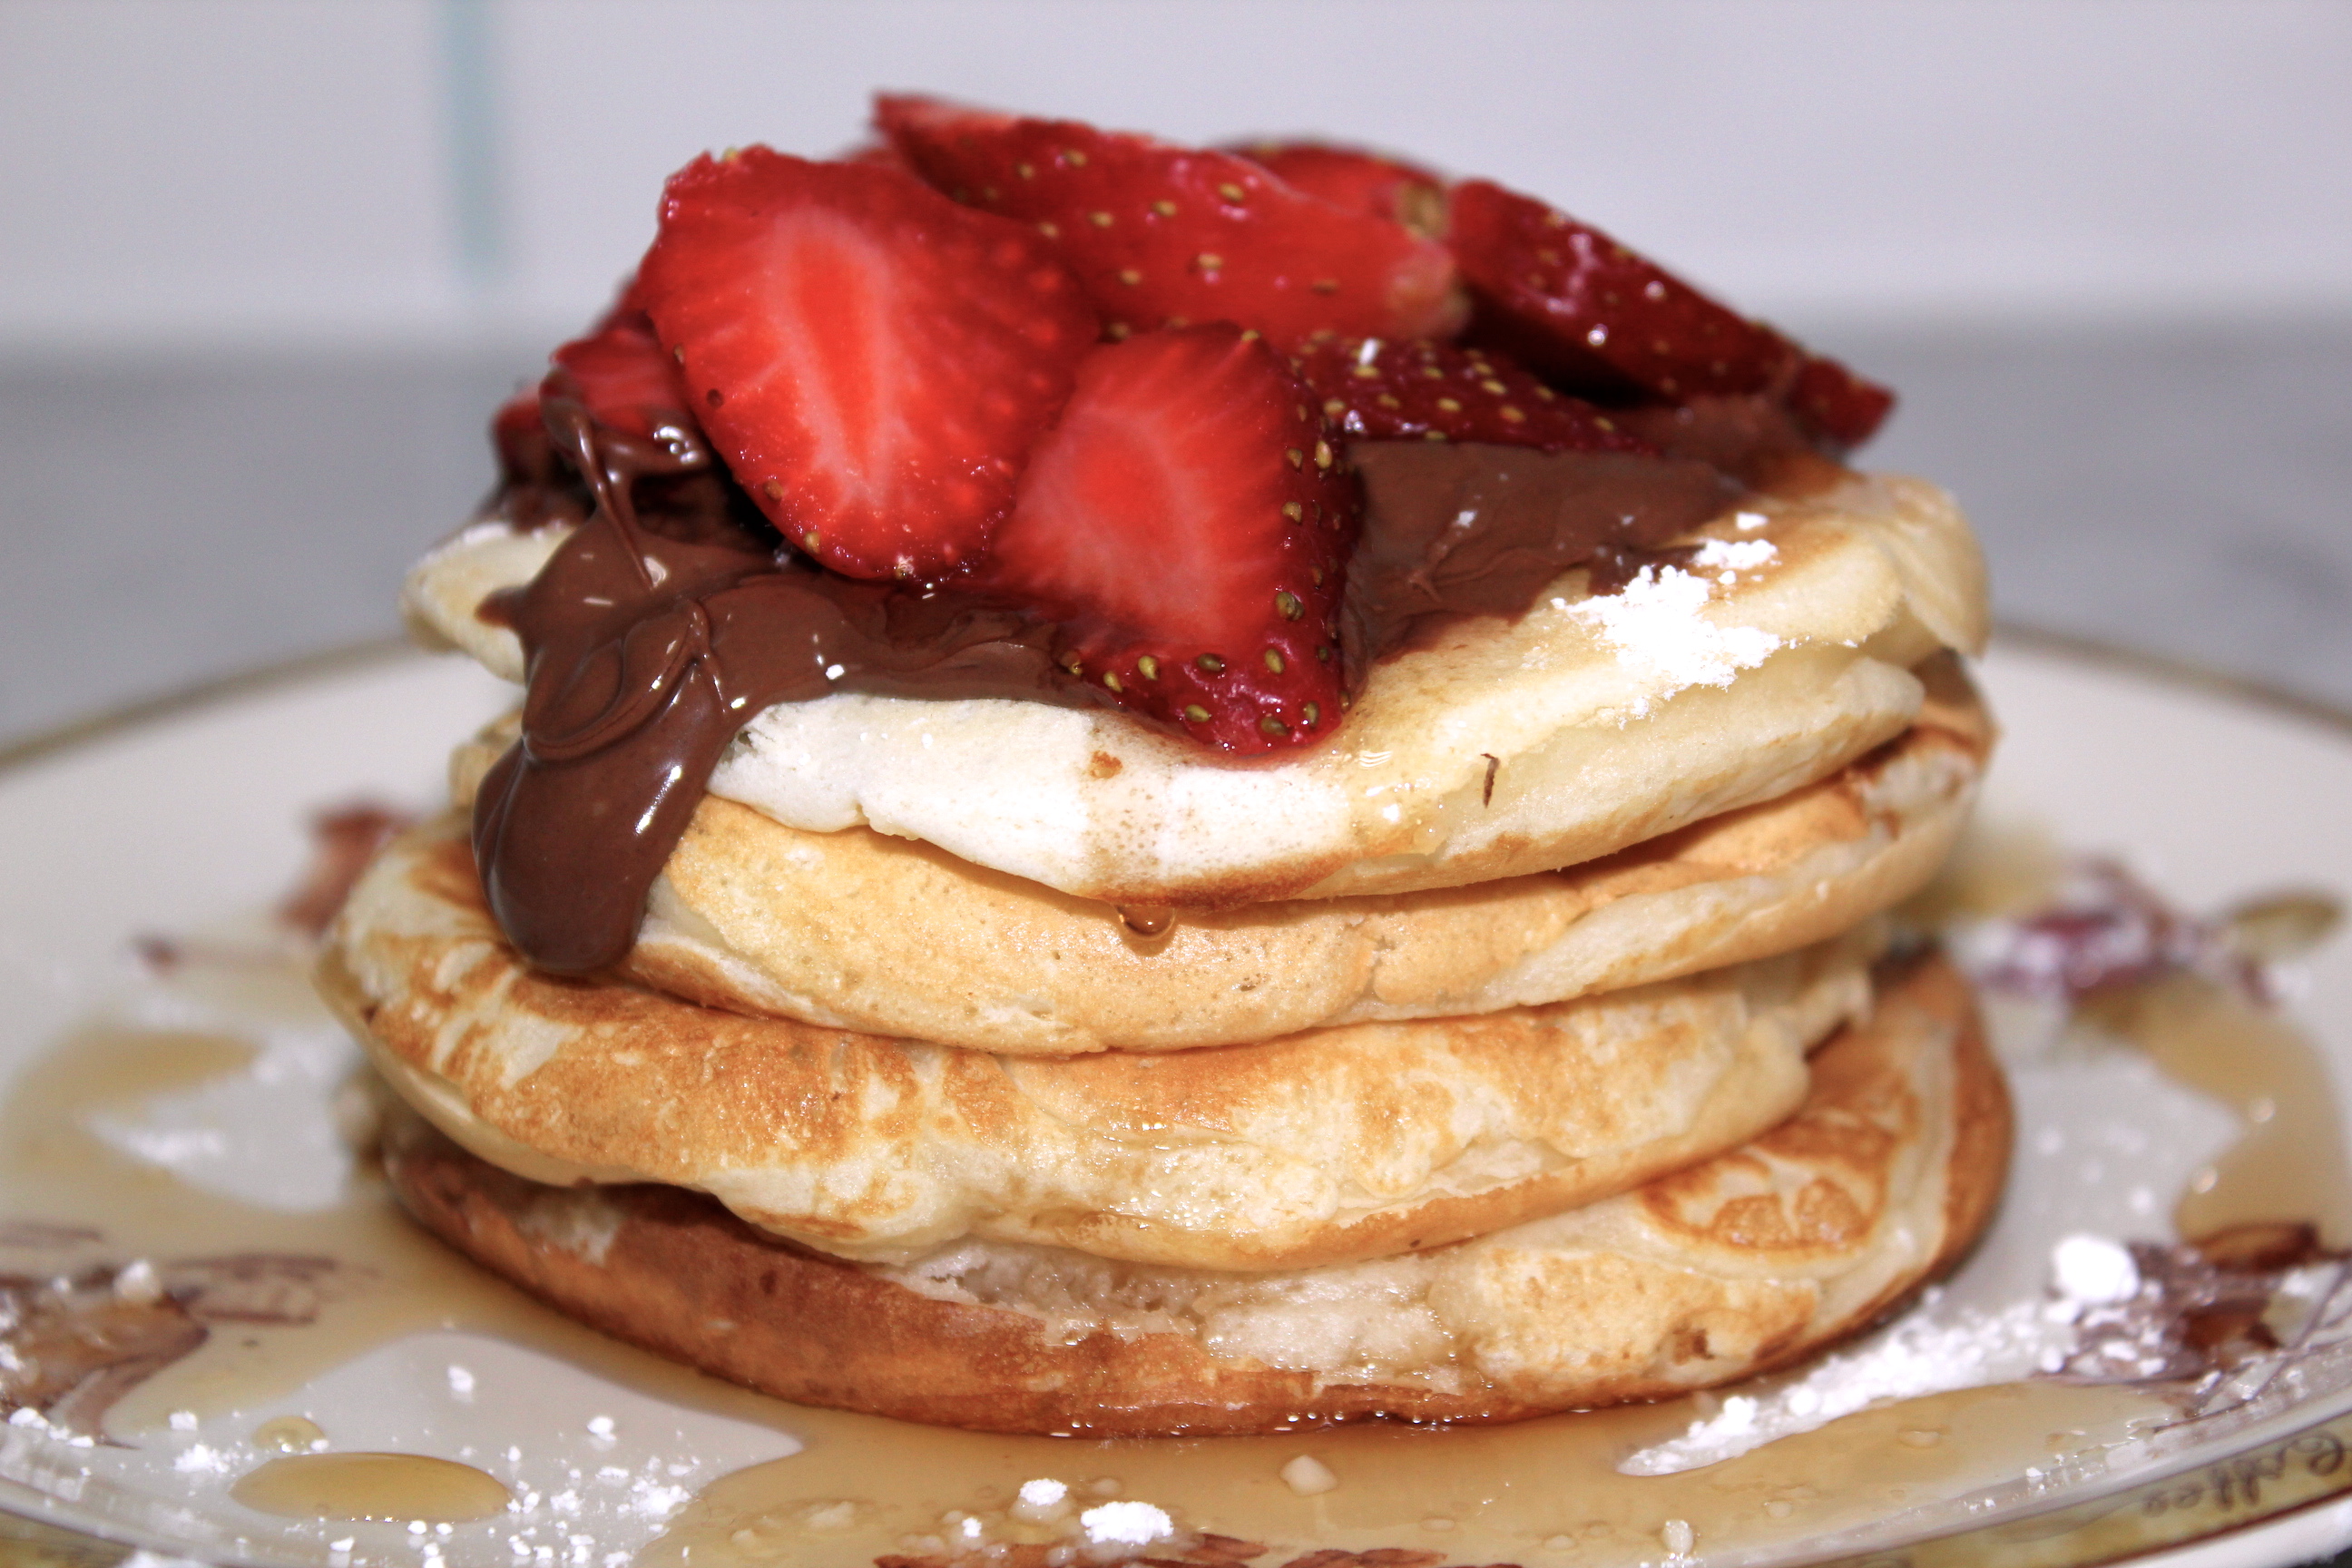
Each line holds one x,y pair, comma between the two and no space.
423,170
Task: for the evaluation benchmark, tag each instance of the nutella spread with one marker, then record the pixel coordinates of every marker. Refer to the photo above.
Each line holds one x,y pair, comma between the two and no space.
672,617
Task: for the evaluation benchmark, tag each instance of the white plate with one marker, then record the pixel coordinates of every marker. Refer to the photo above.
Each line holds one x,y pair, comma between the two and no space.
189,822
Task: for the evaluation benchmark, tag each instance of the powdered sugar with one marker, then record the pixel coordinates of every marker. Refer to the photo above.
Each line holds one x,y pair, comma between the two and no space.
1658,623
1917,1356
1127,1525
2092,1268
1733,555
1935,1349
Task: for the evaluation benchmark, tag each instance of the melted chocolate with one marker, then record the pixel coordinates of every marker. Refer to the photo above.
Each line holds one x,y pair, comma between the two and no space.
651,639
1454,529
674,615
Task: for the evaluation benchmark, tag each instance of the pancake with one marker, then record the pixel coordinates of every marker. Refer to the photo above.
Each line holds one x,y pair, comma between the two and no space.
1327,1146
861,931
1496,749
1730,1267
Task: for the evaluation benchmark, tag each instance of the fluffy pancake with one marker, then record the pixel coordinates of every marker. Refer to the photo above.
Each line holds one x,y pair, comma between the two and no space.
861,931
1497,749
1739,1264
1335,1144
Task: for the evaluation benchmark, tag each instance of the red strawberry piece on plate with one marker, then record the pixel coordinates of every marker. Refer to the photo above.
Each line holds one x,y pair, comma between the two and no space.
1189,521
1162,235
872,360
1358,181
1381,390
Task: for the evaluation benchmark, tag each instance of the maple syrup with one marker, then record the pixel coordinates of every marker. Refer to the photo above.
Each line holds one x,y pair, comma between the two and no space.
1543,1491
863,1486
389,1487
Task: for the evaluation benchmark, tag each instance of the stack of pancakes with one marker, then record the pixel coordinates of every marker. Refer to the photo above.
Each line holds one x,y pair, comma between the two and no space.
1533,1044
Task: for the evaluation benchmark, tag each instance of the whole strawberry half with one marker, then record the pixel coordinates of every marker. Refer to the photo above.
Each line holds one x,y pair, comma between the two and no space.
1355,179
1602,319
872,361
1165,234
1381,390
1188,520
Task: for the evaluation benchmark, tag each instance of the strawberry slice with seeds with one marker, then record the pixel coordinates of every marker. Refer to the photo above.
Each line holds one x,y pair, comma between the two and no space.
1163,234
1360,180
1189,521
1837,406
872,360
620,372
1603,320
1378,390
1600,315
628,382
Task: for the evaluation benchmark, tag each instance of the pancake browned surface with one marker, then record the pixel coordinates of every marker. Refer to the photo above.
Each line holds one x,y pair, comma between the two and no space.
1739,1264
1334,1144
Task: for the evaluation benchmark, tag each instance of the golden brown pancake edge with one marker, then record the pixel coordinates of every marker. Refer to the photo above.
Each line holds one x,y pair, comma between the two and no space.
676,1273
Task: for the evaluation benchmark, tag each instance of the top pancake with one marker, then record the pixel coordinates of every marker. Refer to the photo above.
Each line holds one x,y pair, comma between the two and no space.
1497,749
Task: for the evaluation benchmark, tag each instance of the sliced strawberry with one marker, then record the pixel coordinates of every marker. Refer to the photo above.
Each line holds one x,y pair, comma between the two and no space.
872,360
1594,313
1599,317
519,436
1162,234
1837,405
1189,518
875,152
627,380
1379,390
1360,180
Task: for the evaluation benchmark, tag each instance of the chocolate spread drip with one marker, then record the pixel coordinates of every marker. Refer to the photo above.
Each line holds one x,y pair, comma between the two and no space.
651,639
673,615
1468,529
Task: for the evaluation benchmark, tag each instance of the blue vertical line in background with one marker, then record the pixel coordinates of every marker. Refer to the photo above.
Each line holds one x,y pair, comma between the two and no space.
470,122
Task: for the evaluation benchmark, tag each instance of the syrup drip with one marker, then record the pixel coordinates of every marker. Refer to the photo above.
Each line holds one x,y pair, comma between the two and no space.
391,1487
2290,1165
1146,923
291,1434
1538,1492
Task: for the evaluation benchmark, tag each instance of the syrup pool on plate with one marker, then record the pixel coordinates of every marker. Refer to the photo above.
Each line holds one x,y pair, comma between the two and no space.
178,1171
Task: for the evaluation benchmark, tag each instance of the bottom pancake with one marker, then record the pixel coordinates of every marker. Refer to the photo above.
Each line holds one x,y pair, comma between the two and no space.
1741,1263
